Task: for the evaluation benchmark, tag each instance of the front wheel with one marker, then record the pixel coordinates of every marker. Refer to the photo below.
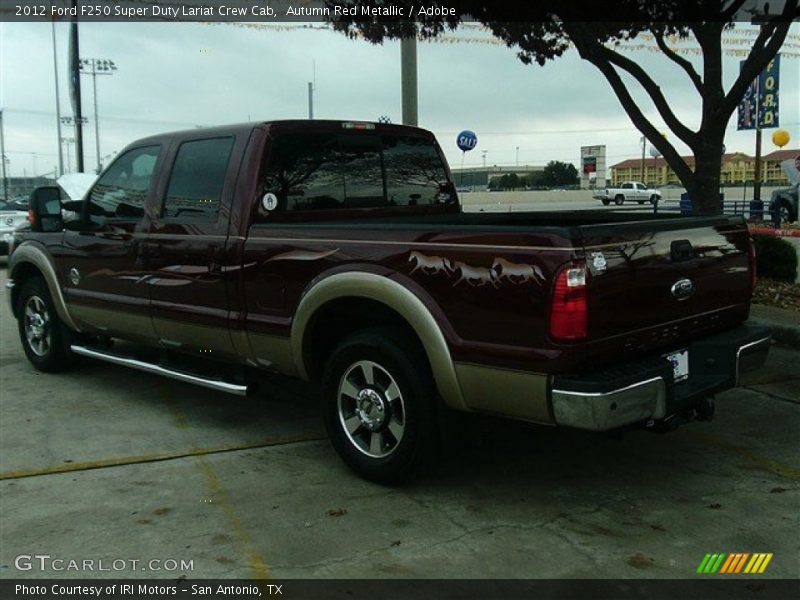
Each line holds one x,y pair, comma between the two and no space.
618,200
45,339
380,402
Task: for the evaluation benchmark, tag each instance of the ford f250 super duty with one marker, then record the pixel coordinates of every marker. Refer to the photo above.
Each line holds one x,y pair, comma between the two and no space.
337,252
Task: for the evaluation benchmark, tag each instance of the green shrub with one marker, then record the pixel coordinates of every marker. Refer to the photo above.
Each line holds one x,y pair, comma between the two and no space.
776,258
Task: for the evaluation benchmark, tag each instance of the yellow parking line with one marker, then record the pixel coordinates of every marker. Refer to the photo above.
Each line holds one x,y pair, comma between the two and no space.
119,461
246,547
765,463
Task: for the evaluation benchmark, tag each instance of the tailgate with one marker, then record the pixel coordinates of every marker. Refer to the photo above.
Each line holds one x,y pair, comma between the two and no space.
655,284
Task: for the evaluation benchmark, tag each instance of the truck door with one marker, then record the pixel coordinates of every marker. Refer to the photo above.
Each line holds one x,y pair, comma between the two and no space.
186,249
102,268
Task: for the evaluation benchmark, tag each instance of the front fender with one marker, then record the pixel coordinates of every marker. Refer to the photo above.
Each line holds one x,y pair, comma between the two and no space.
33,254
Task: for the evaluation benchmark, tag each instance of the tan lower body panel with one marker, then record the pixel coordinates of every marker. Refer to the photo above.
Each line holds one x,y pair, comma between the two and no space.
272,351
214,339
134,326
516,394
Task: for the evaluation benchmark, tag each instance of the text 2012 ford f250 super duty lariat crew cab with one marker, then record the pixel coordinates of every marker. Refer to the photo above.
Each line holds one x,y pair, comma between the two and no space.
336,252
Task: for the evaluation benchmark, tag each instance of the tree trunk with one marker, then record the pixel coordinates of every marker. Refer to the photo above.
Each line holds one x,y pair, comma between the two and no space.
703,186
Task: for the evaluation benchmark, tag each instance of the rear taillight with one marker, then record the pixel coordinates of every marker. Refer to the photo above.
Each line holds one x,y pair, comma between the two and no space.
751,255
568,307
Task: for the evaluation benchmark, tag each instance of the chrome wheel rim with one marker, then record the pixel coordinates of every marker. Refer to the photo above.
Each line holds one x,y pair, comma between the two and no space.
37,326
784,213
371,409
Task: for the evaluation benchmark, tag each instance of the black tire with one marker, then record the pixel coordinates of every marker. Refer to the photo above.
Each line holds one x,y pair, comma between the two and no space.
397,358
45,339
606,201
619,199
786,212
654,199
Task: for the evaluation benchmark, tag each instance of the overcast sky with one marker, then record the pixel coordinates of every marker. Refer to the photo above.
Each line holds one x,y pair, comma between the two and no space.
178,75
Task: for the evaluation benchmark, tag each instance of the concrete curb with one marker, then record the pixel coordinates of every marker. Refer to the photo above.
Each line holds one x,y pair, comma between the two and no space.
785,324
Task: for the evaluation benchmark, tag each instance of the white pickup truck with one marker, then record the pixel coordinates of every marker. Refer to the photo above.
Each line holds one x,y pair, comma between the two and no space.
630,190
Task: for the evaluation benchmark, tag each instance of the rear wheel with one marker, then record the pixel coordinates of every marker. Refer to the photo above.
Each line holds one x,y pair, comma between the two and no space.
619,199
45,339
380,403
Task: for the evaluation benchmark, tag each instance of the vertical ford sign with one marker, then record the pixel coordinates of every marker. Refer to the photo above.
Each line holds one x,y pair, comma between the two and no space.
759,107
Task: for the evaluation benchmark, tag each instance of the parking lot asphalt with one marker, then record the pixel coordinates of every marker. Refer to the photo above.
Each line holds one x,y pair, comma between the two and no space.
103,463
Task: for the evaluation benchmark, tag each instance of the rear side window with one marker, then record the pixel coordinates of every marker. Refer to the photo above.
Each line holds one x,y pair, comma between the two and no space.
627,186
197,179
121,191
414,171
330,171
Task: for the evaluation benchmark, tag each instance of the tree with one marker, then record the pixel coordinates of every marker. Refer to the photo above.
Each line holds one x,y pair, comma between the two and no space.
558,174
544,29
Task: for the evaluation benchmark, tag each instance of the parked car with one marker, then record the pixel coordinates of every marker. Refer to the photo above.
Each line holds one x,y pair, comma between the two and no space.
13,215
337,252
785,200
627,192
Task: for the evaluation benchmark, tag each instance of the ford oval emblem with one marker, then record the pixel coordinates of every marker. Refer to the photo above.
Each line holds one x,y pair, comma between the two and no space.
683,289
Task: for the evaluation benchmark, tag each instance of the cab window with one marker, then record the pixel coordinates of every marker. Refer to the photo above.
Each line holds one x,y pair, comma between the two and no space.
325,171
197,179
121,191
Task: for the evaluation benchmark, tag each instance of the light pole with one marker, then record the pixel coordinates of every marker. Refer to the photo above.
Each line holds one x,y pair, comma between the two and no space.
95,67
484,157
68,141
517,155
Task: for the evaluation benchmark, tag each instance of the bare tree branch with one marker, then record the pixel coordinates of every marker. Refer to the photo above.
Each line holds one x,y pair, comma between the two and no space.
652,89
765,48
679,60
730,12
644,125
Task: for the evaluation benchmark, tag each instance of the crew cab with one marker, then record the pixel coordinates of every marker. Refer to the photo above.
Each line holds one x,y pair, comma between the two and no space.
337,252
629,191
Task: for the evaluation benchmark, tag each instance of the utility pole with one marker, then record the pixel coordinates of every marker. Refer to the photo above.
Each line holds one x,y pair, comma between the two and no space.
310,100
408,77
75,87
58,104
3,157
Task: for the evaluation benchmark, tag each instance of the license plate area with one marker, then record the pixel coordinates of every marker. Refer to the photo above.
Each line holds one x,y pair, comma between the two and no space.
680,364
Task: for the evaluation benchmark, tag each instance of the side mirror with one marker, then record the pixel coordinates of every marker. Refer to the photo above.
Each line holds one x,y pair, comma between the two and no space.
44,209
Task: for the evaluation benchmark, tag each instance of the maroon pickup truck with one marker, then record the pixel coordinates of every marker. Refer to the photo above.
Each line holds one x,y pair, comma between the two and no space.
337,252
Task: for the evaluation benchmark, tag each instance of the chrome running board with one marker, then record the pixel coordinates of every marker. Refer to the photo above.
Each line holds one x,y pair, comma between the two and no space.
213,384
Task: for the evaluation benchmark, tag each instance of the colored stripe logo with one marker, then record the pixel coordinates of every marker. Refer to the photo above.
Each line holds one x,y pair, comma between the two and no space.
735,563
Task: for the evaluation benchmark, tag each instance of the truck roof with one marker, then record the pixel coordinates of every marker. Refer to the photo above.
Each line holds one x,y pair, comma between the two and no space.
285,125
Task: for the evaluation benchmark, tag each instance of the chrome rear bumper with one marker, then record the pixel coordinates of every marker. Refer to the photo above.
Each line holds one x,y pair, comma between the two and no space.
644,391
